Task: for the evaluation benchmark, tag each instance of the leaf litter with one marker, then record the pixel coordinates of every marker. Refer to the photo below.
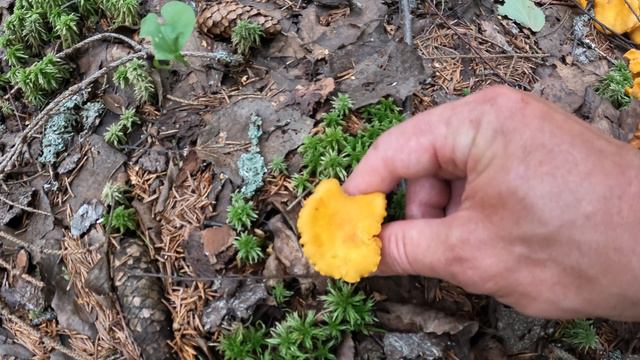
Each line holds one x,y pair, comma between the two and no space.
182,167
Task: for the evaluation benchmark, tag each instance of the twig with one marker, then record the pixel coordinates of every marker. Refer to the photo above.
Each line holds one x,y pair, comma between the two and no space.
10,157
45,251
26,208
406,22
46,340
473,48
99,37
489,56
220,56
26,277
224,276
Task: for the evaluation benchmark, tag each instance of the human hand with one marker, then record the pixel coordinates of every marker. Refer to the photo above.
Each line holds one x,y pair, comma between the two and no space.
507,195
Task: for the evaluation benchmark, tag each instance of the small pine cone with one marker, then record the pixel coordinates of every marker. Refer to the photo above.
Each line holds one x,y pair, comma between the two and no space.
219,19
141,300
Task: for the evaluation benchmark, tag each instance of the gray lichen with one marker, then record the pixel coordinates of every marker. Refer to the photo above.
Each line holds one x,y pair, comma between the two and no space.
57,134
251,165
585,50
90,113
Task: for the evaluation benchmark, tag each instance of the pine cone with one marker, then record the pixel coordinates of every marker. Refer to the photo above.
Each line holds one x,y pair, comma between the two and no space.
140,297
220,18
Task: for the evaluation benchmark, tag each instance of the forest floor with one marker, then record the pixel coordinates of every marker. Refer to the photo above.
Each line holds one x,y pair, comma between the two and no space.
171,285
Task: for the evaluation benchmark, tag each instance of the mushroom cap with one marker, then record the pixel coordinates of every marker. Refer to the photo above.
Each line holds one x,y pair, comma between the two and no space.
616,14
633,56
339,233
634,91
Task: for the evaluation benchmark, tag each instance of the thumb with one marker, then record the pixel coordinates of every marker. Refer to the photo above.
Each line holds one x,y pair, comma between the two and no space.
421,246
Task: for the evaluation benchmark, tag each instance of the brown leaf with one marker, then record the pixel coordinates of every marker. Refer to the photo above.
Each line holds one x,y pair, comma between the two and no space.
413,318
189,165
147,220
114,103
21,263
308,96
208,250
166,188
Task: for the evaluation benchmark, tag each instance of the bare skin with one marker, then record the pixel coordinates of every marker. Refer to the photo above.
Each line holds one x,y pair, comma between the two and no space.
507,195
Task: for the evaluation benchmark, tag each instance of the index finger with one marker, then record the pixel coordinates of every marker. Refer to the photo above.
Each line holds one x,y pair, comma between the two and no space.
434,143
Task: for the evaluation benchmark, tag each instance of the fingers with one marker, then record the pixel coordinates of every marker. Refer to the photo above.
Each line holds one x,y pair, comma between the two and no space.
421,247
438,142
426,198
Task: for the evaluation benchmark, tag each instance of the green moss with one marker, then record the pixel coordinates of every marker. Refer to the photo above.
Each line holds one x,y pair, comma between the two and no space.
240,213
249,249
246,35
581,335
612,86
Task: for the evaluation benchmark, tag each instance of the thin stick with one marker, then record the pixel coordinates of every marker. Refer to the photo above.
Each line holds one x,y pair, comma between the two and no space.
10,157
25,208
406,22
83,43
46,251
46,340
224,276
632,10
490,56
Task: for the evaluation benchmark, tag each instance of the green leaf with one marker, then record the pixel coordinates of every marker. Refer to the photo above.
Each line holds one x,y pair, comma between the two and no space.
170,32
524,12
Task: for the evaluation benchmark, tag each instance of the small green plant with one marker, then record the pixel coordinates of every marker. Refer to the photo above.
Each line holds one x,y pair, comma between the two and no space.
65,27
243,342
280,293
115,135
301,182
41,78
581,335
286,341
249,248
245,35
344,305
15,55
34,31
169,33
333,119
466,91
128,119
278,166
333,165
240,213
6,109
612,86
342,105
135,74
122,12
122,219
114,194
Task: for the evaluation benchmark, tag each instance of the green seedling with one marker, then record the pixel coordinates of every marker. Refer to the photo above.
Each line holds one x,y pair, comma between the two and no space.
344,305
334,139
240,213
41,78
286,341
278,166
333,165
279,293
301,182
248,248
581,335
122,219
34,31
122,12
246,35
243,342
15,55
466,91
311,151
115,135
612,86
333,327
169,33
115,194
65,27
89,9
332,119
305,329
6,109
14,25
135,74
128,119
342,105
